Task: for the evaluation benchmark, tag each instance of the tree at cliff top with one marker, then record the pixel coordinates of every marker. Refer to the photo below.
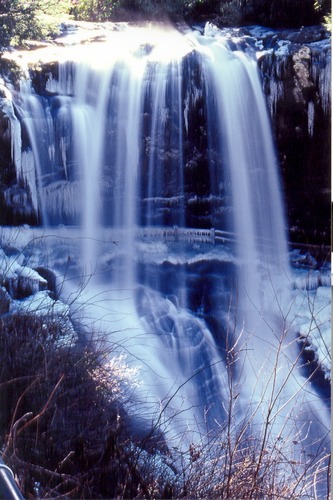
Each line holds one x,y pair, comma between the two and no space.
29,19
94,10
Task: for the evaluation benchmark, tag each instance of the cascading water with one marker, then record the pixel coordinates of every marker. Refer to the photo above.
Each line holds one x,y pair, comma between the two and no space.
120,152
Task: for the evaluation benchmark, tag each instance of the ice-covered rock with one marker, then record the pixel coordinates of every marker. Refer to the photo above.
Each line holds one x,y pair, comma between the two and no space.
312,310
19,195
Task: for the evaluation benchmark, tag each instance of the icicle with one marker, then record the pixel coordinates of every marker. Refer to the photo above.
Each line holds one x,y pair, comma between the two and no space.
321,75
311,113
7,110
28,174
325,87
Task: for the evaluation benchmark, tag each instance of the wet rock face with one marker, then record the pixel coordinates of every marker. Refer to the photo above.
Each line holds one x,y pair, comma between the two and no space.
296,71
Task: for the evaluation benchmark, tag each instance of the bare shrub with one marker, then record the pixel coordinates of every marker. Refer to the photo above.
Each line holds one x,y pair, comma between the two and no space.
62,429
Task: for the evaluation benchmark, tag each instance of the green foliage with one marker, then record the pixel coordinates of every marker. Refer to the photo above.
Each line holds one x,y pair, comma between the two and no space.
32,19
94,10
99,10
15,21
39,19
48,15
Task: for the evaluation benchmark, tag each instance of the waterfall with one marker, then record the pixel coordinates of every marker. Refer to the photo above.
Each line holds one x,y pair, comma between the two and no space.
164,130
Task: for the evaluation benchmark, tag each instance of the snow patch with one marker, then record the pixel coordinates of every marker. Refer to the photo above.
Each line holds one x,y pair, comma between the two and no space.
40,304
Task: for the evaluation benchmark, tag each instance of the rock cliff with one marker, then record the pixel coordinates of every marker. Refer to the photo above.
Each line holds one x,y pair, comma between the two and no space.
296,70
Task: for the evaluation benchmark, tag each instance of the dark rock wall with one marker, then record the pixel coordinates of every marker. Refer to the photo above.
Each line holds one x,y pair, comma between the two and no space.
296,81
